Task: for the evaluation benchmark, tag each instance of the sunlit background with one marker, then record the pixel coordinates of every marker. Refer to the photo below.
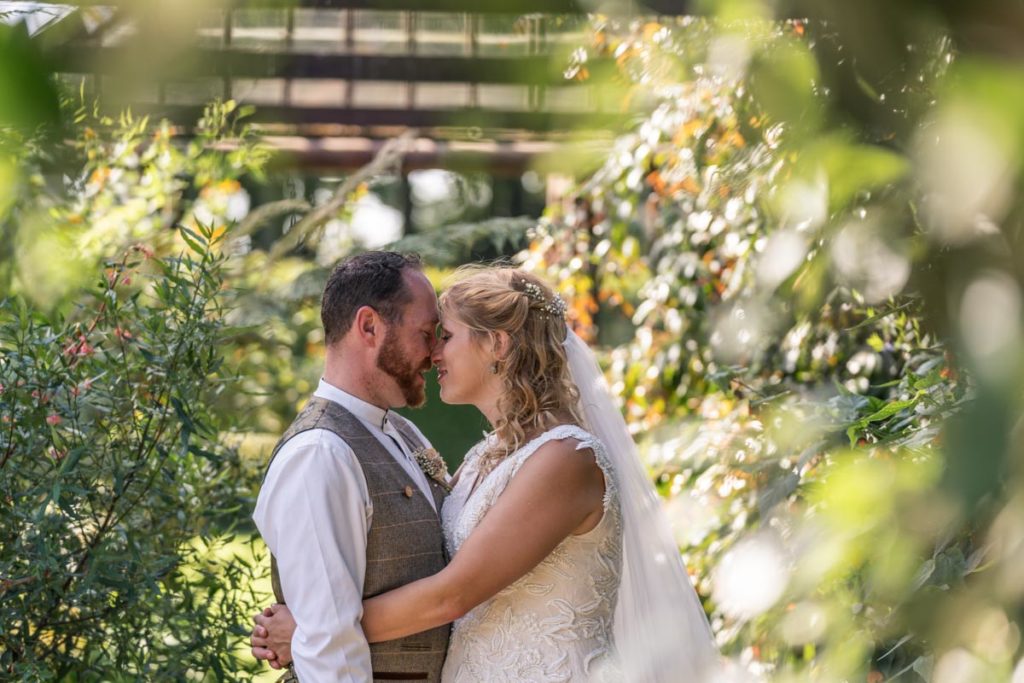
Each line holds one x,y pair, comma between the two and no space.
792,231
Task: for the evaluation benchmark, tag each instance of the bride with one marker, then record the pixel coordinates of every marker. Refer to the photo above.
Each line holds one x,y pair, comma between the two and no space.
562,564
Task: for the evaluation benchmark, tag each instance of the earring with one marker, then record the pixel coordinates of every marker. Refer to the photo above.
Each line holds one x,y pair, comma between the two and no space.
494,368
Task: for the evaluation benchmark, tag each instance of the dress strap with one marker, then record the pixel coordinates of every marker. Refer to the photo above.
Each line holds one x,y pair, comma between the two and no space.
585,439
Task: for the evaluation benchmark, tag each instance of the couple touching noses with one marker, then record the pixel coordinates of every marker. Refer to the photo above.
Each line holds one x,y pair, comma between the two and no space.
547,548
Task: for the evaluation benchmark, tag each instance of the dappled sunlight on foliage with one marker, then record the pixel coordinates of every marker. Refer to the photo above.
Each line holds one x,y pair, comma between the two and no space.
799,260
767,302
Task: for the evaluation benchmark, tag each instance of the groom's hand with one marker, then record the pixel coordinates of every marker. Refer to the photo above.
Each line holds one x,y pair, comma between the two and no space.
273,620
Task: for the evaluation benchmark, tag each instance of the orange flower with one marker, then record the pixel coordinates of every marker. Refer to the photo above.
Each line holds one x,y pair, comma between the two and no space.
687,131
688,184
99,176
734,138
656,182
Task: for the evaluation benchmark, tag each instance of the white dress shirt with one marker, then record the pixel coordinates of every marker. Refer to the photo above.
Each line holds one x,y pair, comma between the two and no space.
313,512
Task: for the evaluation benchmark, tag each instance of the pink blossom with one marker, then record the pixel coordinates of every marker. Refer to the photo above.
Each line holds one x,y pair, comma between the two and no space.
146,250
79,348
53,419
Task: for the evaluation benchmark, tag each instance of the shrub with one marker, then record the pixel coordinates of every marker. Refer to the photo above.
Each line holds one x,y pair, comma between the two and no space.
110,467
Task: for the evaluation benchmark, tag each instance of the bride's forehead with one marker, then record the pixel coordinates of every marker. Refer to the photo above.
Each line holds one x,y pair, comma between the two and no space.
421,316
452,323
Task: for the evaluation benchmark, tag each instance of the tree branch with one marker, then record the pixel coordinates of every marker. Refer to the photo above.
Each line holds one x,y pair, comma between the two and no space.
388,156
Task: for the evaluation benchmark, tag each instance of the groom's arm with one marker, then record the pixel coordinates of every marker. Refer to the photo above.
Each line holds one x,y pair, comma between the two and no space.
313,513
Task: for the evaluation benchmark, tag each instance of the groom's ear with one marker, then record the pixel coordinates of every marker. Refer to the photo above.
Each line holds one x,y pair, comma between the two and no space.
368,325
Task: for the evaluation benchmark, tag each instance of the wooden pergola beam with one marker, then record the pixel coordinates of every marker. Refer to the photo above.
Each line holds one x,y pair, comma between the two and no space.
252,64
483,119
621,7
498,158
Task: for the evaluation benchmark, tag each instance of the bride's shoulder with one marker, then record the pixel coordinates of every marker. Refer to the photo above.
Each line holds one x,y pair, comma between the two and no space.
570,434
568,455
563,438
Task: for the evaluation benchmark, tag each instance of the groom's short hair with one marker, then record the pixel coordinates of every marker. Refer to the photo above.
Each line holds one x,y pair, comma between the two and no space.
374,279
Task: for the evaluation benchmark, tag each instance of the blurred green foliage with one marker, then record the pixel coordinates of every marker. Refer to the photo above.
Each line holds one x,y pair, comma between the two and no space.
802,263
452,245
780,272
30,95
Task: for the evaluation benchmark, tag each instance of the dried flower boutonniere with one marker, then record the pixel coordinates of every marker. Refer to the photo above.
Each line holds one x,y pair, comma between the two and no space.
433,465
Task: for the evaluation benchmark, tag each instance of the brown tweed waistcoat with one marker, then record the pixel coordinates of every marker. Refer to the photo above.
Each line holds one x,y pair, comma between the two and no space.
404,542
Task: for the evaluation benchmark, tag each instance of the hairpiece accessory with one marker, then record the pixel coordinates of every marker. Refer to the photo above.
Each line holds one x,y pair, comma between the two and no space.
553,307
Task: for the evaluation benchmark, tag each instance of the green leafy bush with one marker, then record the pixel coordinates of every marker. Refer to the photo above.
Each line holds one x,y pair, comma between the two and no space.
112,468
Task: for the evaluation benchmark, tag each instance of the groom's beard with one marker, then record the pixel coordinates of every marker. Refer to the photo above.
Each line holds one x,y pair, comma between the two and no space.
392,362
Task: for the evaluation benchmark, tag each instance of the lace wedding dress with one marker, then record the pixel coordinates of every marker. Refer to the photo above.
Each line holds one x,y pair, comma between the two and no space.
554,623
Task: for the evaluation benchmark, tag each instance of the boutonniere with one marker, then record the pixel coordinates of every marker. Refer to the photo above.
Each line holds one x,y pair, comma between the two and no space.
433,465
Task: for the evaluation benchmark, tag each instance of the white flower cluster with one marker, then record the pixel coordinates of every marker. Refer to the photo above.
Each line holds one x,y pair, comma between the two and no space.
555,307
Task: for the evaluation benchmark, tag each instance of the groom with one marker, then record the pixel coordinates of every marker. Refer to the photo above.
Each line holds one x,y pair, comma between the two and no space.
345,509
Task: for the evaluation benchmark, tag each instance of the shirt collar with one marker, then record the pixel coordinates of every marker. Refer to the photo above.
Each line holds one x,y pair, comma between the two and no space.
367,412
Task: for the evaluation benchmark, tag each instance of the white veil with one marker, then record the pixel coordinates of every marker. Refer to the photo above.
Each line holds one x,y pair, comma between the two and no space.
661,631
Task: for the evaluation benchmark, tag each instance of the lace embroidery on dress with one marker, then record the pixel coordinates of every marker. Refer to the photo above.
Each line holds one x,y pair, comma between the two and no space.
554,623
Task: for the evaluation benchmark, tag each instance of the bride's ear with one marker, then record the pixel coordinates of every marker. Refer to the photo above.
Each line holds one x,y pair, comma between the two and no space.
501,344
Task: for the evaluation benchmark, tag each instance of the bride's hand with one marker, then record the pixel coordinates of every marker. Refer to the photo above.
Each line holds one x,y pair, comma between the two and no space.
271,637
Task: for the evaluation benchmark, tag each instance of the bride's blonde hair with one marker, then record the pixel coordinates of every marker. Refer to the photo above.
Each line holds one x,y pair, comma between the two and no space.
538,391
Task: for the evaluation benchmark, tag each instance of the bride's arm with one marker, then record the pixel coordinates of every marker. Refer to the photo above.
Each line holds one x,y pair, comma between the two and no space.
557,492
